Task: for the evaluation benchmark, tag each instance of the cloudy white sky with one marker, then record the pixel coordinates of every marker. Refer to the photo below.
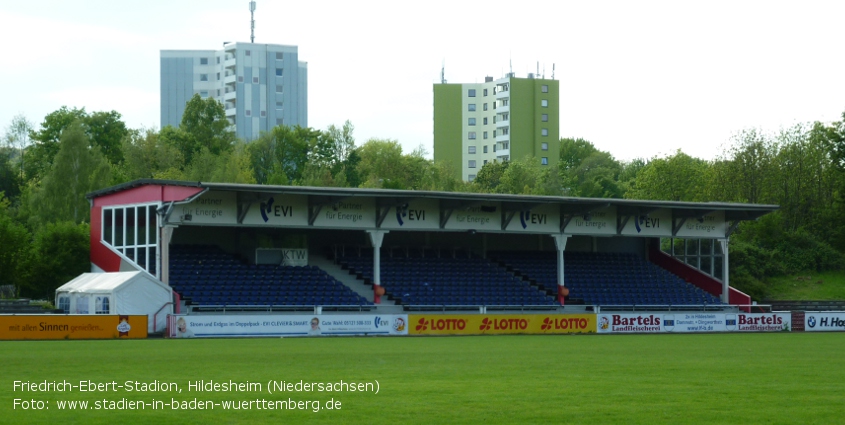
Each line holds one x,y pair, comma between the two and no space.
637,78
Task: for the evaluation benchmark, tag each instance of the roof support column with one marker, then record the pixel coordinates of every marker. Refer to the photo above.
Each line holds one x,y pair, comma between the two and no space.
376,238
725,277
560,243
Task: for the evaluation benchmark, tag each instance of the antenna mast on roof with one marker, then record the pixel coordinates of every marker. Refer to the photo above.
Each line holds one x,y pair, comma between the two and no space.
252,22
443,72
553,71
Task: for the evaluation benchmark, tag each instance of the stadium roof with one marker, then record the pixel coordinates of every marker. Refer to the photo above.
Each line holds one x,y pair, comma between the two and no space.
456,200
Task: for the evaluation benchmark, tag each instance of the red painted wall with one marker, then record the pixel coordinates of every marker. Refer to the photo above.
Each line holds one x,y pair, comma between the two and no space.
693,275
101,255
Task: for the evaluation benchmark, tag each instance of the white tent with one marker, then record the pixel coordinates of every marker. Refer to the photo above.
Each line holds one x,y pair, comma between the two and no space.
118,293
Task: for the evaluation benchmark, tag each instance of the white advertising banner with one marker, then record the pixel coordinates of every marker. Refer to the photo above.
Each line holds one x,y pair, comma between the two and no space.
821,322
485,216
251,325
351,212
710,226
693,322
657,223
542,219
210,208
599,222
416,214
278,210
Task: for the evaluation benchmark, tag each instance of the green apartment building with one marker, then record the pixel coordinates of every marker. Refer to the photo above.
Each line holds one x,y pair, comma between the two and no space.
497,120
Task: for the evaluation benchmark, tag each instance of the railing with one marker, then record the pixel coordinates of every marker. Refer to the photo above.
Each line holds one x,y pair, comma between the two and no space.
679,307
155,316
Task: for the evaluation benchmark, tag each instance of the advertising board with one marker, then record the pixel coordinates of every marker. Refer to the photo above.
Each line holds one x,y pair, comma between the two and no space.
64,326
247,325
497,324
693,322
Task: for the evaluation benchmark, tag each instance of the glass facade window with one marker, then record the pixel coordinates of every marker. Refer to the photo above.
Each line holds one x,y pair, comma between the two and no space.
471,93
471,107
133,232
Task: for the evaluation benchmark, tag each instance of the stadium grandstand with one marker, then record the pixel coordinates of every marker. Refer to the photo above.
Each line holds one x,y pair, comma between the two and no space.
259,248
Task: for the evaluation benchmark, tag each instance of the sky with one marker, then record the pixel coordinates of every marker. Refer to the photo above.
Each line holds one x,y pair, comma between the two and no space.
637,79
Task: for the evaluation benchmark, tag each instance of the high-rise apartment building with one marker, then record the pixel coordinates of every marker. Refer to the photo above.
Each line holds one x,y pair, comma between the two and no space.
497,120
260,85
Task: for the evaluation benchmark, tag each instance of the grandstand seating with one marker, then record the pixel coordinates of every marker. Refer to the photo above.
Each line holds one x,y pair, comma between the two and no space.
205,275
606,278
454,281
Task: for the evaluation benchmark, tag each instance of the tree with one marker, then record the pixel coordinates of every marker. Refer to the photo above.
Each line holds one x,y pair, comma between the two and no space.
106,131
281,154
39,157
489,177
146,155
77,170
206,126
15,240
382,164
679,177
60,253
18,137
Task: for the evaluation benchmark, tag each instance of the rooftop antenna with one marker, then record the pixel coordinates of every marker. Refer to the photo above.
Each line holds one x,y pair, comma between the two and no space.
544,70
538,69
252,22
553,71
443,72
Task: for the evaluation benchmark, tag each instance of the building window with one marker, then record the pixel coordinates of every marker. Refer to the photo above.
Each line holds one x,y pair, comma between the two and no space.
64,304
280,88
485,106
544,132
544,146
248,112
485,136
203,94
240,79
484,163
471,107
494,133
218,61
218,76
263,113
248,53
471,150
218,92
485,151
485,120
471,177
485,92
203,61
133,232
280,56
544,88
203,77
471,163
471,135
280,121
544,160
471,92
471,121
544,103
544,118
255,80
279,104
494,148
279,72
102,305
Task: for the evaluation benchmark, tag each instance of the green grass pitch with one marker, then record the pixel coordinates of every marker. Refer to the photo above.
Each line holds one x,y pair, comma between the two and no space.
775,378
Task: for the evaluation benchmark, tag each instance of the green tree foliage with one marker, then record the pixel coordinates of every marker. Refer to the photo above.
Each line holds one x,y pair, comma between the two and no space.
281,154
17,139
10,179
39,157
76,170
489,177
60,253
204,125
15,241
679,177
587,171
146,156
106,131
382,165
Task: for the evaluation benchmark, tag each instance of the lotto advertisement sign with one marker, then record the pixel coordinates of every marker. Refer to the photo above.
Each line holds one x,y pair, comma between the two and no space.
241,325
498,324
821,322
694,322
61,326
